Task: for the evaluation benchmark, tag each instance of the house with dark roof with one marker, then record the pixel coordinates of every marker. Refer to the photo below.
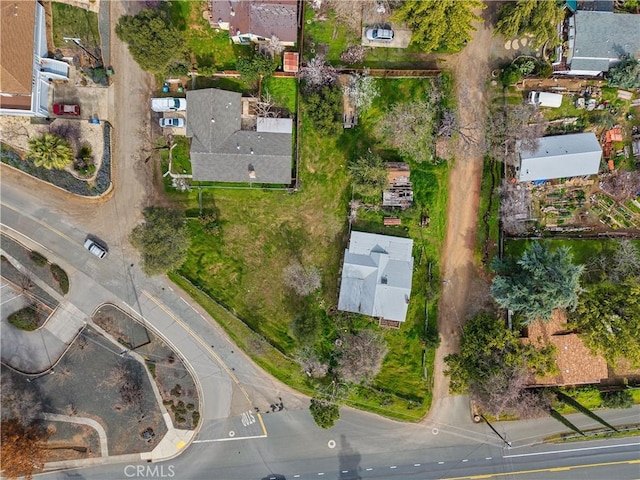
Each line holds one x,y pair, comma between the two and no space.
596,40
227,146
25,70
376,276
257,20
560,156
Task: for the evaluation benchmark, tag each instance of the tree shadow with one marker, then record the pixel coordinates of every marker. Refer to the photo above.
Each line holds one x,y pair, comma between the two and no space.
348,461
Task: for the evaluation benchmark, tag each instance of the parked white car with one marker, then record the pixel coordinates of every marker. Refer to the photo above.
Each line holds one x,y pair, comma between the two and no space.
545,99
168,104
379,34
95,248
172,122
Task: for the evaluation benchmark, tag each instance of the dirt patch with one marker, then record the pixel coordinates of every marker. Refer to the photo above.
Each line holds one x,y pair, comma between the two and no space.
464,291
176,386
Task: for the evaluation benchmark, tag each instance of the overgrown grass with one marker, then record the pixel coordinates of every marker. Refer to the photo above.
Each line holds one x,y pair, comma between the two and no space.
283,91
180,160
75,22
208,47
489,212
262,232
582,250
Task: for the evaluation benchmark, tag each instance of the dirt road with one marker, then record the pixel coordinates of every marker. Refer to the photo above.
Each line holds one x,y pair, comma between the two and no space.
463,290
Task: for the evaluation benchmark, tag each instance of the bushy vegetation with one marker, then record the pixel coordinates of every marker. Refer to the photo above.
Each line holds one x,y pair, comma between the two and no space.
37,258
50,152
61,277
536,17
27,318
154,42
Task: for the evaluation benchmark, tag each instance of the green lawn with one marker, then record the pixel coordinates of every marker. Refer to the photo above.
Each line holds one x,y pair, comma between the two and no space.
582,250
207,47
261,231
69,21
180,156
283,91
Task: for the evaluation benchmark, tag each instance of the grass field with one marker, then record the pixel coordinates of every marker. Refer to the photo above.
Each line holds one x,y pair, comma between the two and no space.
236,274
70,21
283,91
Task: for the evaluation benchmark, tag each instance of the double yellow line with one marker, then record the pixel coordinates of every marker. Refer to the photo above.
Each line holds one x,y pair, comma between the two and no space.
541,470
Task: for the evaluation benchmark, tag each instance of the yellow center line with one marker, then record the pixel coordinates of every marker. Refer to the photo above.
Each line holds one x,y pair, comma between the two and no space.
540,470
38,221
215,356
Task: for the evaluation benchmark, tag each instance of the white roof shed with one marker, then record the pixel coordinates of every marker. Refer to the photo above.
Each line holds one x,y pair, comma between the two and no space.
561,156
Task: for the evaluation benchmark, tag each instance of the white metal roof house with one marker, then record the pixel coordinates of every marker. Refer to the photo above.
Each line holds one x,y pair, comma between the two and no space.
223,151
376,276
597,40
561,156
25,70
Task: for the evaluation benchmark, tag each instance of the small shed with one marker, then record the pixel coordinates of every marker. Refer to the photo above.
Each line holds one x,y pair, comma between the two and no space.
290,62
399,191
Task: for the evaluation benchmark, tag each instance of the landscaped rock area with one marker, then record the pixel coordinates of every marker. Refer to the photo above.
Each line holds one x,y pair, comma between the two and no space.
174,381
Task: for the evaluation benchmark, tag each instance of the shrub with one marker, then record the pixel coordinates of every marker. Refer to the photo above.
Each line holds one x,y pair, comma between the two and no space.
510,75
177,70
177,390
619,399
26,318
543,70
61,277
39,259
195,418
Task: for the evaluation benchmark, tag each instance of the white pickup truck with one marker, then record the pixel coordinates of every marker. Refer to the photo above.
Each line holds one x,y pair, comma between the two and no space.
168,104
545,99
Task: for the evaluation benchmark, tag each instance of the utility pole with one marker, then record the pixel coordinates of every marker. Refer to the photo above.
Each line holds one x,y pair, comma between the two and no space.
506,442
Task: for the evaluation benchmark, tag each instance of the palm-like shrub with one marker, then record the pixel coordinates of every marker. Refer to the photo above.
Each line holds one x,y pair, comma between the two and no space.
50,151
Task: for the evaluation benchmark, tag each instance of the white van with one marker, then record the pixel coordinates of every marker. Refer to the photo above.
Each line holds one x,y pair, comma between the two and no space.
545,99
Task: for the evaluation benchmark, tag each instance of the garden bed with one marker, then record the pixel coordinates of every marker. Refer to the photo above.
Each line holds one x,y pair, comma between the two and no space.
174,381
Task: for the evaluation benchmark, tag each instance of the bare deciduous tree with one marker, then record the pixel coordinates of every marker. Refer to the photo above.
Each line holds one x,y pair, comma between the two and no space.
360,356
515,205
310,364
513,129
304,281
506,392
317,73
362,90
264,107
410,127
275,46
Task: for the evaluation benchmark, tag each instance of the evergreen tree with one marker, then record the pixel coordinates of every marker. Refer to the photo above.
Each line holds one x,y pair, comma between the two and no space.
538,283
324,413
539,18
608,320
49,151
162,240
439,24
153,41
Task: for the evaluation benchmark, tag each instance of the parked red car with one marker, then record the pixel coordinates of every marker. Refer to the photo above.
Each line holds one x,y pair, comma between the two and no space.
62,109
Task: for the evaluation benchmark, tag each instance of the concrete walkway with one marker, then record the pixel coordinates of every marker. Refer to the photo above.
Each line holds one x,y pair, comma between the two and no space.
104,449
36,352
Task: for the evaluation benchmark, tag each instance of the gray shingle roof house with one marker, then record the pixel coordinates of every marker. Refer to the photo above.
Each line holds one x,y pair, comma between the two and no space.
376,276
222,152
561,156
598,39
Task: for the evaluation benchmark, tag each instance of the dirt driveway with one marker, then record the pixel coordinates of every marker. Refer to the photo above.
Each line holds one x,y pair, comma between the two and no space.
464,291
